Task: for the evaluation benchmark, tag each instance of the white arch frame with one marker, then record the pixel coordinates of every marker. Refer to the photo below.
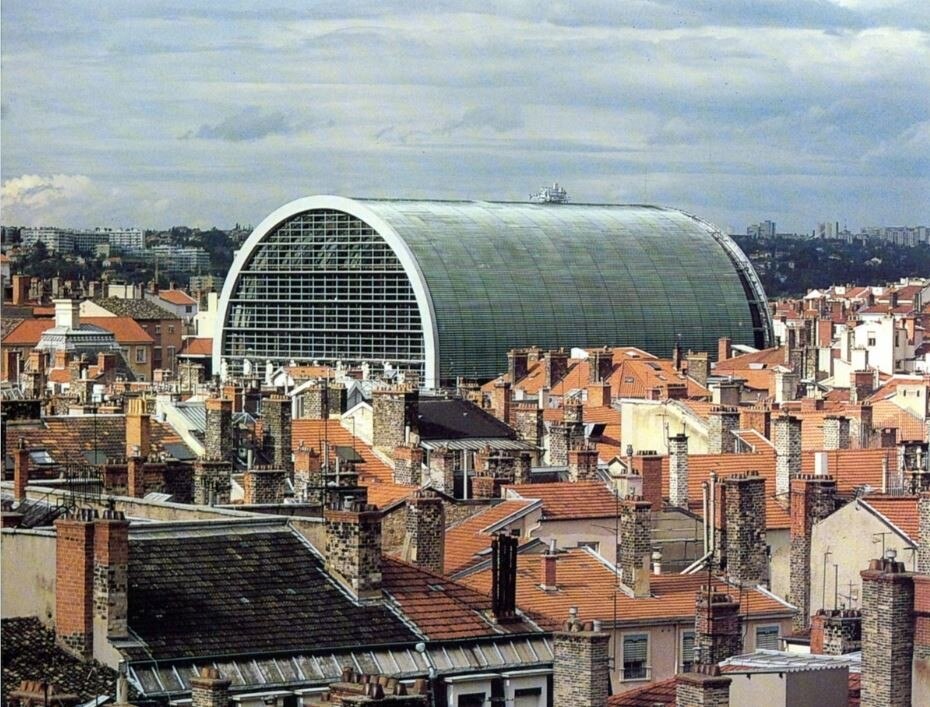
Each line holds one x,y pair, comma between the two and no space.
360,211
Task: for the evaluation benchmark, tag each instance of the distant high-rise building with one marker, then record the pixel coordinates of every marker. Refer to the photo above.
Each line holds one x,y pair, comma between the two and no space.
765,229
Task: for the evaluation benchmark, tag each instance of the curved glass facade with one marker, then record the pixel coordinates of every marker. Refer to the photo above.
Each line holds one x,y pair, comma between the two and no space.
449,287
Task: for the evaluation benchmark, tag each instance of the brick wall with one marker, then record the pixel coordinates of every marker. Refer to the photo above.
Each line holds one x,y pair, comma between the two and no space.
635,543
721,423
836,632
394,410
262,485
582,464
747,561
425,531
212,482
353,549
702,690
20,469
717,627
678,470
276,412
218,434
580,669
887,634
813,498
74,583
111,574
787,440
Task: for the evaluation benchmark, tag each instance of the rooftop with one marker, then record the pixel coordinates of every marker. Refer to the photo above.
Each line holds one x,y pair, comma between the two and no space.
467,539
569,501
135,308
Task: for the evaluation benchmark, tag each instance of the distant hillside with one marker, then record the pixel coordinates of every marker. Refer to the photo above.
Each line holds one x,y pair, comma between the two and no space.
791,267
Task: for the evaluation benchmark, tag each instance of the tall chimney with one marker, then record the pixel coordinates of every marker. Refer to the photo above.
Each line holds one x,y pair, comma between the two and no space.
67,313
408,465
921,666
555,366
835,432
426,531
549,579
500,401
394,416
20,471
786,386
580,664
582,464
724,348
308,473
74,583
276,411
218,441
442,470
747,560
699,367
517,365
678,470
111,577
722,423
504,577
923,546
138,429
717,627
635,550
887,633
812,500
787,452
600,365
353,545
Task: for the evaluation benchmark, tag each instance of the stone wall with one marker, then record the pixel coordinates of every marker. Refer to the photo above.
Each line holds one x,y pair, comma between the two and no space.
702,690
835,432
218,434
261,485
353,549
528,421
635,543
394,411
747,561
212,482
721,424
408,465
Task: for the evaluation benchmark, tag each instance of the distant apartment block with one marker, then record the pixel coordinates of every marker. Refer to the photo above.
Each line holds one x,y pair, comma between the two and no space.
68,240
765,229
181,259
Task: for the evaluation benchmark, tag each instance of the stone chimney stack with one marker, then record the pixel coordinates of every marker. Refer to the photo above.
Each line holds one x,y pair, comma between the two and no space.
394,417
635,551
555,366
111,577
887,634
747,560
678,470
209,689
276,412
580,667
600,365
218,441
74,583
813,498
699,367
212,482
138,429
786,386
442,470
836,632
426,531
717,627
20,471
353,544
787,436
408,465
835,432
517,365
263,486
582,464
706,688
921,665
722,423
861,386
500,401
923,546
308,473
67,313
860,428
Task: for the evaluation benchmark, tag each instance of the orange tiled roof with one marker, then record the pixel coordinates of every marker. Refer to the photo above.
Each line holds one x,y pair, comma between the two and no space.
633,378
441,608
886,413
374,474
197,347
466,539
901,511
663,692
178,297
28,332
126,330
768,357
853,468
584,581
568,501
576,378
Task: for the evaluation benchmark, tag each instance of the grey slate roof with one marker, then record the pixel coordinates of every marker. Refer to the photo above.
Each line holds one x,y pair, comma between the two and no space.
135,308
243,589
454,418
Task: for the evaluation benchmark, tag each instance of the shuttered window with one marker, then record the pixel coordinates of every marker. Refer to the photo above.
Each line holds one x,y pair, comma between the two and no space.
687,651
635,656
767,637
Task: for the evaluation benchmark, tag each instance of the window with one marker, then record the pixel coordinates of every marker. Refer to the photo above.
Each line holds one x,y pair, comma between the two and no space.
140,354
593,544
871,341
188,309
767,637
158,328
687,651
171,328
635,655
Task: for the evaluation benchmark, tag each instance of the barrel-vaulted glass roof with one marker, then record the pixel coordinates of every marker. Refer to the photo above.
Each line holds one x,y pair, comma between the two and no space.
493,276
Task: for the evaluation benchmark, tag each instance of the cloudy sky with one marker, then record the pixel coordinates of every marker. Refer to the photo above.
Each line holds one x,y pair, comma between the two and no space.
160,113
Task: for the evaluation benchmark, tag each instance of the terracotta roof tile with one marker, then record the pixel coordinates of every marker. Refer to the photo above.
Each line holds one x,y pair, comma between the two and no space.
887,413
466,539
197,347
584,581
178,297
633,378
901,511
768,357
567,501
126,330
651,695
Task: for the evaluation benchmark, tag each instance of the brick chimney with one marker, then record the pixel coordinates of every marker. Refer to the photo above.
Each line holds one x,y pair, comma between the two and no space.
861,386
111,577
442,470
580,664
555,366
787,434
860,427
308,473
724,348
500,401
727,393
263,485
717,627
721,425
394,416
786,386
209,689
549,580
923,546
517,365
921,665
582,464
504,578
353,544
20,471
135,477
74,583
835,432
887,633
747,560
836,632
704,688
218,441
21,285
598,395
138,429
276,412
678,470
699,367
528,422
635,550
212,482
600,365
649,467
813,498
408,465
426,531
